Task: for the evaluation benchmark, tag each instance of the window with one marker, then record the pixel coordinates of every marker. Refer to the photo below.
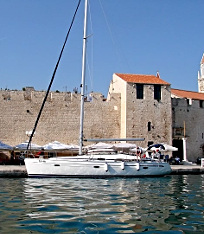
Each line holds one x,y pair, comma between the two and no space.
201,103
157,92
189,102
149,126
139,88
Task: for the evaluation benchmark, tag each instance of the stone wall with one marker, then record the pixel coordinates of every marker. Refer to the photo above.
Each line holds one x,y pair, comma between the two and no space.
157,113
60,117
118,85
188,113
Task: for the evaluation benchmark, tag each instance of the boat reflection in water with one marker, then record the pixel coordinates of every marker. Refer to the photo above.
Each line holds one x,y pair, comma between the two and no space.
113,205
118,203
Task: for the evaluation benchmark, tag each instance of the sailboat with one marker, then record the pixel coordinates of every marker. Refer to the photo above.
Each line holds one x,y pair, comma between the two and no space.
94,165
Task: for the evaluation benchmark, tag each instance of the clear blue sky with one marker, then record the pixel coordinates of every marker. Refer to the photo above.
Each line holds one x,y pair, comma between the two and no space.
141,37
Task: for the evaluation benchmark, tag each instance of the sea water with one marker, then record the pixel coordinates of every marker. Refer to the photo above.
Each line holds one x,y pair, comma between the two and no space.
172,204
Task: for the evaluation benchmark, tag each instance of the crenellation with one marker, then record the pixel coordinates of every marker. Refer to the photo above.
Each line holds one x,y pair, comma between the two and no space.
59,119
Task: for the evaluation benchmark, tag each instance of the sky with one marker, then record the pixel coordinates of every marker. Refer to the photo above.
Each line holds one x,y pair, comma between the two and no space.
125,36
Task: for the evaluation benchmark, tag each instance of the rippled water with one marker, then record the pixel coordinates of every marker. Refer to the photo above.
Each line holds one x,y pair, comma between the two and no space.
173,204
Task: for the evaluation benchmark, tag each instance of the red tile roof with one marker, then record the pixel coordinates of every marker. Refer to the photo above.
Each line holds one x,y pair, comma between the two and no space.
143,79
187,94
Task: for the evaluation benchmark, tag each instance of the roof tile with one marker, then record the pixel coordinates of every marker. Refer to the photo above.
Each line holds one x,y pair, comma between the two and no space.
187,94
143,79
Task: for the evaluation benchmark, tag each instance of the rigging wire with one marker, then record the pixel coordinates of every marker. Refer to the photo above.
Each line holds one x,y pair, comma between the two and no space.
119,53
91,71
53,76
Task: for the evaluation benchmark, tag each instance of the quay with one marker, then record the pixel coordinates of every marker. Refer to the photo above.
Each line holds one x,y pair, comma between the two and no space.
187,169
13,171
19,171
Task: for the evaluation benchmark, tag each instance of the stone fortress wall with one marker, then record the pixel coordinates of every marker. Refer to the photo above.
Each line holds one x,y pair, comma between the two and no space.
149,111
188,114
60,117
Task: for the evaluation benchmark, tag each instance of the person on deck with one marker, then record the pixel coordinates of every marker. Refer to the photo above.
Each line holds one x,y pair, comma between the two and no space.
153,154
40,153
158,154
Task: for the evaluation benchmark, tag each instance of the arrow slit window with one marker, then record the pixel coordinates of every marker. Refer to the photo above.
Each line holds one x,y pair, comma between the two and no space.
157,92
140,92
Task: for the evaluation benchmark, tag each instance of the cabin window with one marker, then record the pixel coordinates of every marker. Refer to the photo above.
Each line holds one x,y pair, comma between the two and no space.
201,103
140,88
157,92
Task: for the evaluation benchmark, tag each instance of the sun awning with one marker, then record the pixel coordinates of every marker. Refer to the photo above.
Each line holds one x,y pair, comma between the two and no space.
23,146
56,145
4,146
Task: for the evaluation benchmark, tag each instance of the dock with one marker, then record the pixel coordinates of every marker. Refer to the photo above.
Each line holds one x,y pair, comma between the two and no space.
187,169
13,171
19,171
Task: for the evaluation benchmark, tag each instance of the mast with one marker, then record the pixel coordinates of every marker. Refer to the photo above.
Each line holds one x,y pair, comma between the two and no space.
83,80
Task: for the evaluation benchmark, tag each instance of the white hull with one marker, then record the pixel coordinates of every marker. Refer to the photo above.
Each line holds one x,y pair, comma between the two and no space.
86,167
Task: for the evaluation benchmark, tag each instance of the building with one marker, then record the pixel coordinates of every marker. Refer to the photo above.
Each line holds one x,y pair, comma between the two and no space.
145,107
149,106
137,106
201,76
188,121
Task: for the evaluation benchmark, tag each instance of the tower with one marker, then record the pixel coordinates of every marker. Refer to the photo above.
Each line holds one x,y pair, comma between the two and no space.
201,76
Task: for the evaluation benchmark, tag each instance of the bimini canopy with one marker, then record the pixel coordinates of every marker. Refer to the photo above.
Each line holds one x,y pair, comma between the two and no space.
162,147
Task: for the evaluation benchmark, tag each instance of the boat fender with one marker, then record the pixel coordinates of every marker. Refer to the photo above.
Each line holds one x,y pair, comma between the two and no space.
106,166
122,165
137,166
